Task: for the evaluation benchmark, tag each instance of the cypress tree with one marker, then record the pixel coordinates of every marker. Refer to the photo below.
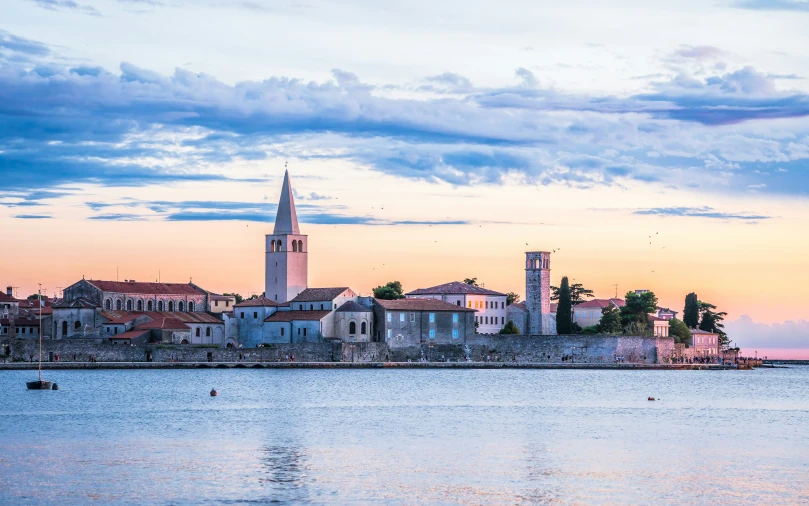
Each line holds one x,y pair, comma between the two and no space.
691,311
564,316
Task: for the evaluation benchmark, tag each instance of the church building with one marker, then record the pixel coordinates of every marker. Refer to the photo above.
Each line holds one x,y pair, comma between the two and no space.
286,264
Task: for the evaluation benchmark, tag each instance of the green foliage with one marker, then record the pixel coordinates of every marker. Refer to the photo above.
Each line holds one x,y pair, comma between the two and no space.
390,291
512,298
471,281
33,297
510,328
691,311
610,322
592,329
239,298
564,313
680,332
578,293
711,321
635,314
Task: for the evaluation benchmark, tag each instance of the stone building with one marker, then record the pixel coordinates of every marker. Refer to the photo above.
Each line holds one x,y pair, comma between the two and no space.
300,326
8,304
412,322
490,305
220,303
538,293
286,263
132,295
20,328
354,322
249,316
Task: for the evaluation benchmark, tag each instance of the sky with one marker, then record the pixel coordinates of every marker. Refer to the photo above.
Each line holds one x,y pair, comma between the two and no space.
654,145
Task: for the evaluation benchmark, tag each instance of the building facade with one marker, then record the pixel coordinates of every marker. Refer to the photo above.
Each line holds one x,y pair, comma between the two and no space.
588,313
413,322
538,293
490,306
286,264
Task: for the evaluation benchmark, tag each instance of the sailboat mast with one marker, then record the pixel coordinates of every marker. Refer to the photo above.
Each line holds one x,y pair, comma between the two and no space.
39,373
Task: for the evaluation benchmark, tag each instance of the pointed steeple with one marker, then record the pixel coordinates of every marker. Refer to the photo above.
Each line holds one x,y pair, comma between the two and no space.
286,220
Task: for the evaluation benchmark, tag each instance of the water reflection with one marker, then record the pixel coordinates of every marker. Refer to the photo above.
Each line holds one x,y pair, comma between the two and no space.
283,472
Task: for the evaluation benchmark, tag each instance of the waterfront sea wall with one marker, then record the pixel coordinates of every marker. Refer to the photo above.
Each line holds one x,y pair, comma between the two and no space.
478,347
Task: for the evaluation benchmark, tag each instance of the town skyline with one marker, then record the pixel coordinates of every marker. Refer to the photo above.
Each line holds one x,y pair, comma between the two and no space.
482,138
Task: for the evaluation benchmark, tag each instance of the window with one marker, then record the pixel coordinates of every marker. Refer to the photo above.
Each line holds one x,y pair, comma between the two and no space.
255,314
487,320
180,306
388,317
108,304
241,315
140,305
227,303
454,317
294,246
207,331
171,306
455,333
160,305
115,329
502,320
191,306
149,305
216,303
198,333
401,317
321,307
432,317
77,325
129,305
304,332
458,302
469,304
503,305
352,328
64,328
279,246
311,307
282,331
299,331
272,246
412,317
118,304
108,330
389,333
362,329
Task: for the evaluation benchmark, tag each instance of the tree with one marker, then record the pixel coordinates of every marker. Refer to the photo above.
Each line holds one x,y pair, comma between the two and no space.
711,321
510,328
610,322
238,297
512,298
390,291
564,314
591,330
471,281
635,314
680,332
691,311
578,293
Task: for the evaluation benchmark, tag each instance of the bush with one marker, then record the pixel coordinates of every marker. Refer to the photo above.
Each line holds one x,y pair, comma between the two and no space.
593,329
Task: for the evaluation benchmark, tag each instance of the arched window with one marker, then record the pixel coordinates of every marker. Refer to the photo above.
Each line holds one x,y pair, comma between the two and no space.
207,331
77,325
171,306
108,304
295,246
197,331
64,328
185,341
149,305
352,328
118,304
272,246
300,246
191,306
140,305
180,306
129,305
160,305
279,246
362,328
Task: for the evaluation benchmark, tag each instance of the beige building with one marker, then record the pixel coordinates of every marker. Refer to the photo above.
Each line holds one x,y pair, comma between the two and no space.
661,326
588,313
705,344
220,303
490,306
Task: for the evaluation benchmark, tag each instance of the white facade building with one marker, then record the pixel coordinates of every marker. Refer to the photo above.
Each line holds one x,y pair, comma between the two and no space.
490,306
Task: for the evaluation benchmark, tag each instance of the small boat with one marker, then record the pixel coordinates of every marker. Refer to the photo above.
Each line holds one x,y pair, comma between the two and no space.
651,398
214,393
40,384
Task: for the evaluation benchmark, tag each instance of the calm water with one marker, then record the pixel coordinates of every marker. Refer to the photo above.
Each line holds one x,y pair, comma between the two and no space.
406,437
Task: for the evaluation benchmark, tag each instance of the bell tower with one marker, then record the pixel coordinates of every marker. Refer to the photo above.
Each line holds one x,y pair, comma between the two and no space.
538,293
286,267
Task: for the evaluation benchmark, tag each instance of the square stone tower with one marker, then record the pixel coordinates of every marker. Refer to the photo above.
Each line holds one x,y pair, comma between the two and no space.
286,267
538,293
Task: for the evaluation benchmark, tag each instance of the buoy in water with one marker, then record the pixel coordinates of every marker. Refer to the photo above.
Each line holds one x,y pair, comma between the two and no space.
214,393
55,386
651,398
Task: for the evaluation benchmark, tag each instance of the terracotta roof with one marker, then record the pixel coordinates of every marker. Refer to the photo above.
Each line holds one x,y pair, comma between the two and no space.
701,332
318,294
115,317
192,317
288,316
131,334
353,307
453,288
161,322
7,298
259,302
21,322
420,305
136,287
34,303
216,296
601,303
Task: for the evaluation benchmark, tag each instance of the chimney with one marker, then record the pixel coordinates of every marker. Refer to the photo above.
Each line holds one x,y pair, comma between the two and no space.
10,291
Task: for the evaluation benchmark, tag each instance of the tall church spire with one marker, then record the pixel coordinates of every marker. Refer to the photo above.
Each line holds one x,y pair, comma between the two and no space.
286,220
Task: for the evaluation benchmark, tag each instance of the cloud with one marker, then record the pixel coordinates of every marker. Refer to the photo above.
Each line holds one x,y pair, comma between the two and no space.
53,5
700,52
309,196
77,125
699,212
747,333
33,216
774,5
12,43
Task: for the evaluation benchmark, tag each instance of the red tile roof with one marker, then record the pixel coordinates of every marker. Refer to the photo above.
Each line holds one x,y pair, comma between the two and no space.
318,294
136,287
701,332
259,302
116,317
21,322
161,322
7,298
455,287
132,334
601,303
420,305
289,316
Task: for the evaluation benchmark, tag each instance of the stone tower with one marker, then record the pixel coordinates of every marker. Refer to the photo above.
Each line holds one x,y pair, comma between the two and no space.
286,268
538,293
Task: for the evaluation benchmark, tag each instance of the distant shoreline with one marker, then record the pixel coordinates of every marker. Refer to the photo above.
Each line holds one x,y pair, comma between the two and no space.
354,365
